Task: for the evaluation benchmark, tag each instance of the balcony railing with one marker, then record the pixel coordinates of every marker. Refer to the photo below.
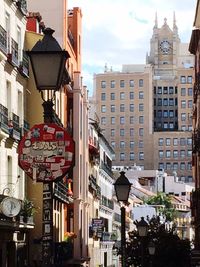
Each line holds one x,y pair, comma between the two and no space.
24,65
14,127
3,40
22,5
94,187
106,168
4,118
13,56
60,191
107,202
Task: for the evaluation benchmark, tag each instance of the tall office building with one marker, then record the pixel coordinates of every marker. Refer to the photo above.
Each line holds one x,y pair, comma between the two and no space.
145,111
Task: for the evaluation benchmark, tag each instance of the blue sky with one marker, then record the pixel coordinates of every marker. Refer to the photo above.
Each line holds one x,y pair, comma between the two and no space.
118,32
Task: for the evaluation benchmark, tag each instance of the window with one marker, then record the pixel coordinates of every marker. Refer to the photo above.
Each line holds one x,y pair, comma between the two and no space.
112,84
112,96
175,153
168,154
141,95
103,108
171,90
171,102
141,132
161,154
190,92
131,144
183,104
122,120
165,125
122,107
159,90
159,101
131,95
141,83
131,119
171,125
182,166
182,142
171,114
113,144
183,91
175,141
165,90
141,155
160,141
112,132
141,144
189,166
175,166
161,166
189,79
165,102
189,153
182,153
131,83
132,155
19,41
168,141
183,79
141,107
122,132
165,113
159,113
103,96
168,166
189,141
103,84
122,84
103,120
141,119
122,156
131,107
112,108
112,120
183,128
122,144
183,116
122,95
131,131
190,103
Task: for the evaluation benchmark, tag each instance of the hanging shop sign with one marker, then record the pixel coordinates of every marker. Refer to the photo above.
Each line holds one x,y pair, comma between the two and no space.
46,152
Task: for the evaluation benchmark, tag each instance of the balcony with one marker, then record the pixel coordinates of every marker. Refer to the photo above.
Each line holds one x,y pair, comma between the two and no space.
108,203
106,168
25,128
14,128
93,146
94,187
24,66
60,192
3,40
4,119
13,57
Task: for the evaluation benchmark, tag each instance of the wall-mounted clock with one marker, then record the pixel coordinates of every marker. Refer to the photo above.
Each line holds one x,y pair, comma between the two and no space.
165,46
10,206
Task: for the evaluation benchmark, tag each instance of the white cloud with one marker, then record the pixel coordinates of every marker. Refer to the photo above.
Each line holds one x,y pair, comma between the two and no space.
119,31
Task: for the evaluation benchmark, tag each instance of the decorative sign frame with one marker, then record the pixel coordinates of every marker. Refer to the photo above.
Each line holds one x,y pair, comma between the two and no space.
46,152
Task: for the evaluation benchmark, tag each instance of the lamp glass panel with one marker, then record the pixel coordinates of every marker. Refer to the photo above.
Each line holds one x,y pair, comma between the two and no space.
142,230
47,70
122,192
151,249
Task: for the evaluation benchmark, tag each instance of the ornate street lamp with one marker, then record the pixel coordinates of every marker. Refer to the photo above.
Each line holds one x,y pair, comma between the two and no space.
122,189
48,62
142,227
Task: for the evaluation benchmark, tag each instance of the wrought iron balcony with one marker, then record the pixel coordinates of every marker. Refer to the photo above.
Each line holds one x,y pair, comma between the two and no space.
94,187
3,40
24,65
4,119
13,127
106,168
13,56
93,146
107,202
25,128
60,192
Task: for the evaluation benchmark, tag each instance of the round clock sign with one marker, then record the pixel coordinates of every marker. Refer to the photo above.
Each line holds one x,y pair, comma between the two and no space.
46,152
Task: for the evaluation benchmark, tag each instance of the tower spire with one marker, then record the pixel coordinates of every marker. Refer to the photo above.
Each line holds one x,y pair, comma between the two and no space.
156,21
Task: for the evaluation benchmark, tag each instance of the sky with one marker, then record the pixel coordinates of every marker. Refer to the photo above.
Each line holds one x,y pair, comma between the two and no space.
117,32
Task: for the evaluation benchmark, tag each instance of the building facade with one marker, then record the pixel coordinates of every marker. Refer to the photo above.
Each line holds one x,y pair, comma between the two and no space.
145,111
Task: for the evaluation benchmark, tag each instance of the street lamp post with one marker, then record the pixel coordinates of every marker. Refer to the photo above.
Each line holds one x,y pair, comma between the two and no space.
142,227
48,62
122,189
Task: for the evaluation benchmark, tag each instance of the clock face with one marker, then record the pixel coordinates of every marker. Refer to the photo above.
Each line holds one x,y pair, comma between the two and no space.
10,206
165,46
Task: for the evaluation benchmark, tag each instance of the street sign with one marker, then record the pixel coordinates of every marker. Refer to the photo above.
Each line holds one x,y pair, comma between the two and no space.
46,152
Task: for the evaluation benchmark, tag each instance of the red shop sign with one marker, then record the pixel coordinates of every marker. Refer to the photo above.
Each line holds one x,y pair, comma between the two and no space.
46,152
